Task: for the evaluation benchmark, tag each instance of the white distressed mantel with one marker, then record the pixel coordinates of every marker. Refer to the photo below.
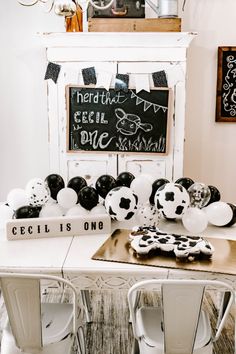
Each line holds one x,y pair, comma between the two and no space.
130,53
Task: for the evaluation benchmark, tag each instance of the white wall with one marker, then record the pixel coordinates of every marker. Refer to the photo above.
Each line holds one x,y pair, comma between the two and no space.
23,102
210,147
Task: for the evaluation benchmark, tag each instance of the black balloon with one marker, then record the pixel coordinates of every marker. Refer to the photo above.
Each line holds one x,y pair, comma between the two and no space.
77,183
124,179
215,195
233,220
27,211
155,186
104,184
88,197
55,183
186,182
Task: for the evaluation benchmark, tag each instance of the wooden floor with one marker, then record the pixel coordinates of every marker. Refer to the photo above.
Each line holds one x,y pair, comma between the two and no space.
111,333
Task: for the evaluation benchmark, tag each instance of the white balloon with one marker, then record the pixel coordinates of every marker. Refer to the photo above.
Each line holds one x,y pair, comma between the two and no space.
51,210
219,213
17,198
76,211
142,187
146,176
194,220
6,213
67,198
98,209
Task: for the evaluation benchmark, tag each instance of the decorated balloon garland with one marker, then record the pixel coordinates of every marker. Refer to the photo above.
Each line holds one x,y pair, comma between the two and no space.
122,198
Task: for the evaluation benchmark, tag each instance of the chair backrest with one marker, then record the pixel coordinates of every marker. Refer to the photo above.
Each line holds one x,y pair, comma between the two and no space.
22,297
181,305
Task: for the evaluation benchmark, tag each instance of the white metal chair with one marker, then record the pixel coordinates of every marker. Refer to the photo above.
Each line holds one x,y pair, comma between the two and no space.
179,325
36,327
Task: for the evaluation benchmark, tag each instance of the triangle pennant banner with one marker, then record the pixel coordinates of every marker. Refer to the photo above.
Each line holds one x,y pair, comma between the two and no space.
147,105
138,100
156,108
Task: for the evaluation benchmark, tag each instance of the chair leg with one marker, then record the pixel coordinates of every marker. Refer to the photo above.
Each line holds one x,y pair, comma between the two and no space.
136,301
87,306
80,340
135,347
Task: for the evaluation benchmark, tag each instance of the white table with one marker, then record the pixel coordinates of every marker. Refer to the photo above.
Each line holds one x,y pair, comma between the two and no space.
71,257
34,256
86,273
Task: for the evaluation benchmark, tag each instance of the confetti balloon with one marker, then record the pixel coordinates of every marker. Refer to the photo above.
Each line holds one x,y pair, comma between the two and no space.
88,197
16,198
219,213
148,215
124,179
172,200
194,220
67,198
37,192
199,194
55,183
121,203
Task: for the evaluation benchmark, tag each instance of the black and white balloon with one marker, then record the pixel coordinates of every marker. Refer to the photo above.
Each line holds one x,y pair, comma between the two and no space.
219,213
172,200
55,183
186,182
215,195
155,186
121,203
88,197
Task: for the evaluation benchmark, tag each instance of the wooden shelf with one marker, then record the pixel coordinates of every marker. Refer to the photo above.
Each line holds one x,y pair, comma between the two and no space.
134,25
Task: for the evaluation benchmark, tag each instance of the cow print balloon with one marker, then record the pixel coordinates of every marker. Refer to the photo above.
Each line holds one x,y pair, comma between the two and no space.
172,200
121,203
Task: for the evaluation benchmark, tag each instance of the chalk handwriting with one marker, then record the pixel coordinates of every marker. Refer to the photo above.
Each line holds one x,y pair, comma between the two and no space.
105,98
94,139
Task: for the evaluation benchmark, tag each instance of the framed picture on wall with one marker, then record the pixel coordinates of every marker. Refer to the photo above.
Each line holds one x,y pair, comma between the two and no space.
226,85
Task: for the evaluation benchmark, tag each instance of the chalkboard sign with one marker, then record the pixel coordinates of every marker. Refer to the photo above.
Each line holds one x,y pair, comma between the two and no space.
101,120
226,85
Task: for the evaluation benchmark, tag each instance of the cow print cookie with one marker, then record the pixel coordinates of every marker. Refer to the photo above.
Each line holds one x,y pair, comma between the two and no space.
150,240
